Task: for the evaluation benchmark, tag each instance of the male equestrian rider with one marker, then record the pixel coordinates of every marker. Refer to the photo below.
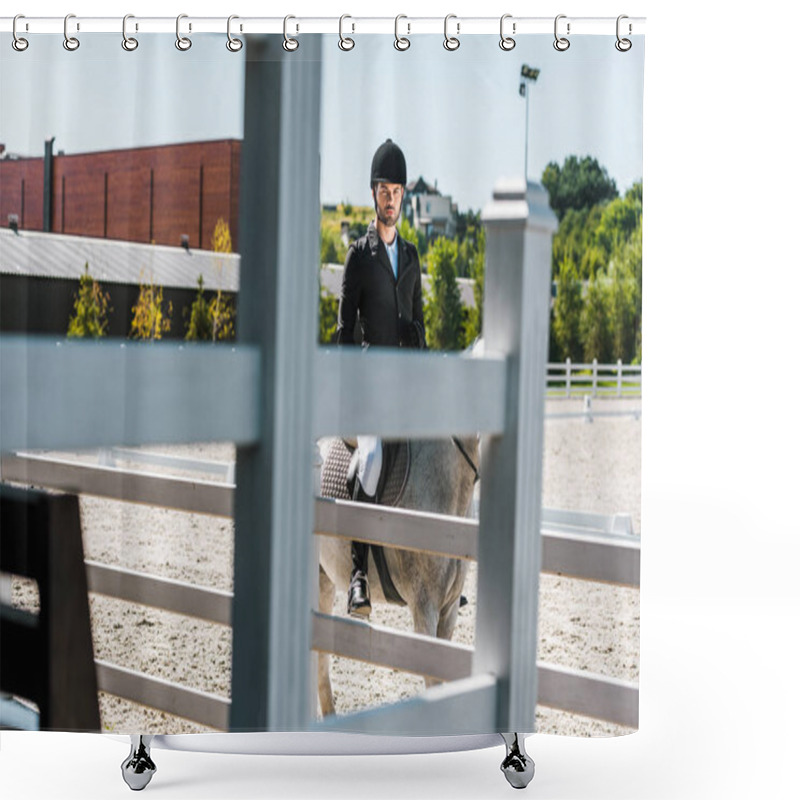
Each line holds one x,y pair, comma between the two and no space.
380,305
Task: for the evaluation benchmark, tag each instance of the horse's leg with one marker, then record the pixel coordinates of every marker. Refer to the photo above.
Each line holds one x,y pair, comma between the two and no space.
448,617
327,594
426,618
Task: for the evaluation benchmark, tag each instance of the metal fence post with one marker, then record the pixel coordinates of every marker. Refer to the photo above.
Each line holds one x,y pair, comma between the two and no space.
519,229
274,577
569,375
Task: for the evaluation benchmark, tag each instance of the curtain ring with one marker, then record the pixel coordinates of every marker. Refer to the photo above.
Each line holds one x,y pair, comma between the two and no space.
623,45
70,42
451,42
233,44
289,44
345,43
506,42
561,43
18,43
400,42
183,43
128,42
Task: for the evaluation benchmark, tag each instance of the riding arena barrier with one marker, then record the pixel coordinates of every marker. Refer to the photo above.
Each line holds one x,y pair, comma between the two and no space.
274,393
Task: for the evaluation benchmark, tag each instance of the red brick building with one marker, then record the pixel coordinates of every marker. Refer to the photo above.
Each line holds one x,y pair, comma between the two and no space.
145,194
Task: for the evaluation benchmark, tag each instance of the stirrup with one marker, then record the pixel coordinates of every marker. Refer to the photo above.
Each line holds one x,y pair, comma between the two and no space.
358,602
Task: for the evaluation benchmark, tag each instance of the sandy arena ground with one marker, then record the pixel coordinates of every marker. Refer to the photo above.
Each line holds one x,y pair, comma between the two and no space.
587,467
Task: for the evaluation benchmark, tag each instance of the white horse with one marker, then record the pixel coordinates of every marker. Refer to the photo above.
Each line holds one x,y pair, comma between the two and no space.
441,479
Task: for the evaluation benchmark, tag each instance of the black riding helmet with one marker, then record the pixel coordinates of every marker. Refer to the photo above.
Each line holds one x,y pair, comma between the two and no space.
388,165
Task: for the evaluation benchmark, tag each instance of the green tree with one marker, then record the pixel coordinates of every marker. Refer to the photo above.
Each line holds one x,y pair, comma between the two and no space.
417,237
90,310
332,249
466,223
328,315
635,192
221,240
625,317
621,311
408,232
200,326
618,221
222,308
566,325
443,300
594,324
576,240
151,320
578,184
358,229
473,323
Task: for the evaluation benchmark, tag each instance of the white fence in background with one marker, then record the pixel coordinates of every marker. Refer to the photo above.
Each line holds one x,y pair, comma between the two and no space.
597,380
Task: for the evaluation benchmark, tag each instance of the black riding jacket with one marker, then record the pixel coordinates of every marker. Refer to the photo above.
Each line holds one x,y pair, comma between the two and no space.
388,311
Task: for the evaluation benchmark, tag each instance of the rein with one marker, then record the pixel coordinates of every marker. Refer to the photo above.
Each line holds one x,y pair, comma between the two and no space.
460,445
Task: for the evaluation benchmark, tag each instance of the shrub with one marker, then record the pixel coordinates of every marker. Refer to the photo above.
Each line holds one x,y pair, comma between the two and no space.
91,309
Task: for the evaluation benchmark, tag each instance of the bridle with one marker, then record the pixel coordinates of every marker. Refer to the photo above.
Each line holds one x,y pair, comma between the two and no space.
460,445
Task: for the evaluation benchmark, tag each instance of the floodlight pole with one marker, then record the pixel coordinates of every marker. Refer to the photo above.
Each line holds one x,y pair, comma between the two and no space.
527,118
528,75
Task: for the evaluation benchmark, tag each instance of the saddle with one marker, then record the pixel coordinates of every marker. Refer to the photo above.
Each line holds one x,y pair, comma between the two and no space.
337,481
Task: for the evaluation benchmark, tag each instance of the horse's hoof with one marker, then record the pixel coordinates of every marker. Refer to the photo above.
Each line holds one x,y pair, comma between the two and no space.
518,766
138,768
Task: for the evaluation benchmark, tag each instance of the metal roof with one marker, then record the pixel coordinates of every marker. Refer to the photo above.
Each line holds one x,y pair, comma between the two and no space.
55,255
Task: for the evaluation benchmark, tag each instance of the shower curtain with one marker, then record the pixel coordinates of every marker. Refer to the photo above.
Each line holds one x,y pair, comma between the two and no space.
126,196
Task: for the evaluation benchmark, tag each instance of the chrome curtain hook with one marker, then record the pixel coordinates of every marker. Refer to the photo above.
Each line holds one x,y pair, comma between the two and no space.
70,42
128,42
623,45
400,42
233,44
451,42
289,44
561,43
18,43
182,42
346,43
507,42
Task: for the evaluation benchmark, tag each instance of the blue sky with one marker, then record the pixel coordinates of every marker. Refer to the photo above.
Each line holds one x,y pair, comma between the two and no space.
458,116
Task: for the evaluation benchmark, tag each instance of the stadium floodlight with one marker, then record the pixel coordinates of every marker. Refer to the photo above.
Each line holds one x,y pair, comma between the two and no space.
529,73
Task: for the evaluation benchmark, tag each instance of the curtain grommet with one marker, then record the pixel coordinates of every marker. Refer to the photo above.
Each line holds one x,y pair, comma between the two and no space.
183,43
623,45
71,43
233,44
451,43
128,42
19,43
401,43
561,43
289,44
345,42
507,43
